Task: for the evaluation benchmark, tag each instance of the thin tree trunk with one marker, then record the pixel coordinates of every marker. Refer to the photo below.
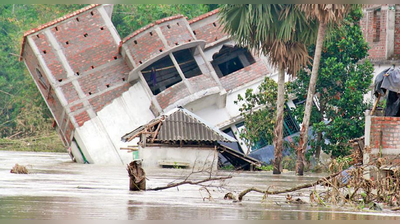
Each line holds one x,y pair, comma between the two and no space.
311,91
278,132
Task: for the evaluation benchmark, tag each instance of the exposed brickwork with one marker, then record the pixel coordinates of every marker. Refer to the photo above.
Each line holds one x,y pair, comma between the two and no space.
69,130
76,107
176,32
82,117
50,56
245,75
385,135
99,102
210,32
33,63
56,21
103,79
55,106
90,43
70,92
374,28
145,46
397,35
202,82
172,94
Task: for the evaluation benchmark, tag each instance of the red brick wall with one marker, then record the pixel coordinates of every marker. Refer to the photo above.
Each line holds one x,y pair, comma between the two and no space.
69,92
390,128
76,107
385,133
49,55
172,94
397,35
33,63
202,82
369,26
209,32
145,46
245,75
106,98
176,32
111,75
96,49
53,102
68,131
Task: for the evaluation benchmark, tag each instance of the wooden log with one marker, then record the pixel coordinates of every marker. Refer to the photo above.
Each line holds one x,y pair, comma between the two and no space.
137,176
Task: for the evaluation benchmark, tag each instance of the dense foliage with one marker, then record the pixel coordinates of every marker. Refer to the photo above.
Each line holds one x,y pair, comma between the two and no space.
258,109
23,112
342,82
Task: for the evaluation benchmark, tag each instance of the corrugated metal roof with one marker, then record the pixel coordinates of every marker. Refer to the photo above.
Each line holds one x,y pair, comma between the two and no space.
182,125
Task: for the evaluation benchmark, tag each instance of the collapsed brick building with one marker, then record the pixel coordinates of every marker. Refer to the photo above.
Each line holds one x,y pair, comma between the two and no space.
99,87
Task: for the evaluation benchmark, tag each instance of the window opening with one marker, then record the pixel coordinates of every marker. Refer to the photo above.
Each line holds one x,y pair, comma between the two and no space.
229,60
161,75
41,79
187,63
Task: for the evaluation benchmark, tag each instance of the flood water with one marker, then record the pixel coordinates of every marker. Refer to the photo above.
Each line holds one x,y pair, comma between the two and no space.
57,188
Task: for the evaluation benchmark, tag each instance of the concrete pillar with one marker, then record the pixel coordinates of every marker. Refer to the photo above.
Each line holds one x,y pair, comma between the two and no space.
367,138
390,30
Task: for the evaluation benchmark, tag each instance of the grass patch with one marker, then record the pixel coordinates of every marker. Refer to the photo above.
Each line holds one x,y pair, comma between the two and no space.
48,143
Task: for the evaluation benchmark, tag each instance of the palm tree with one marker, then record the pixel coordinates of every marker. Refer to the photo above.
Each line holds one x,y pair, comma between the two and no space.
279,31
324,14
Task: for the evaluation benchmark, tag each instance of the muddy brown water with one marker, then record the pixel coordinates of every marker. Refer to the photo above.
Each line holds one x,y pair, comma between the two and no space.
57,188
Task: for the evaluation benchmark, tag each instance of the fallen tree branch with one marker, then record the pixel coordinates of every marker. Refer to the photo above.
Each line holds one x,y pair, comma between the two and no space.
188,182
308,185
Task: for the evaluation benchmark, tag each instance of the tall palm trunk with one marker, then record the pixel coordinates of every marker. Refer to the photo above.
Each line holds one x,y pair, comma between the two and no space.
278,132
311,91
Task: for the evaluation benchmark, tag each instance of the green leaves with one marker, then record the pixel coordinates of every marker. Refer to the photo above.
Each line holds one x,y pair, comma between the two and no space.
342,82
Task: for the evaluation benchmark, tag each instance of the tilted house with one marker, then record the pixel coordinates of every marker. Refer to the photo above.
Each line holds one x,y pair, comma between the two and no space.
99,87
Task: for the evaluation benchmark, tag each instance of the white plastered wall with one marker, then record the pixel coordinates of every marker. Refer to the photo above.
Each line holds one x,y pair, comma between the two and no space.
102,134
198,157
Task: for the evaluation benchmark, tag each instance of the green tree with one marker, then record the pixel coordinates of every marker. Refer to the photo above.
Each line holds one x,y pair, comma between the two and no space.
342,82
130,17
324,14
279,31
259,112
